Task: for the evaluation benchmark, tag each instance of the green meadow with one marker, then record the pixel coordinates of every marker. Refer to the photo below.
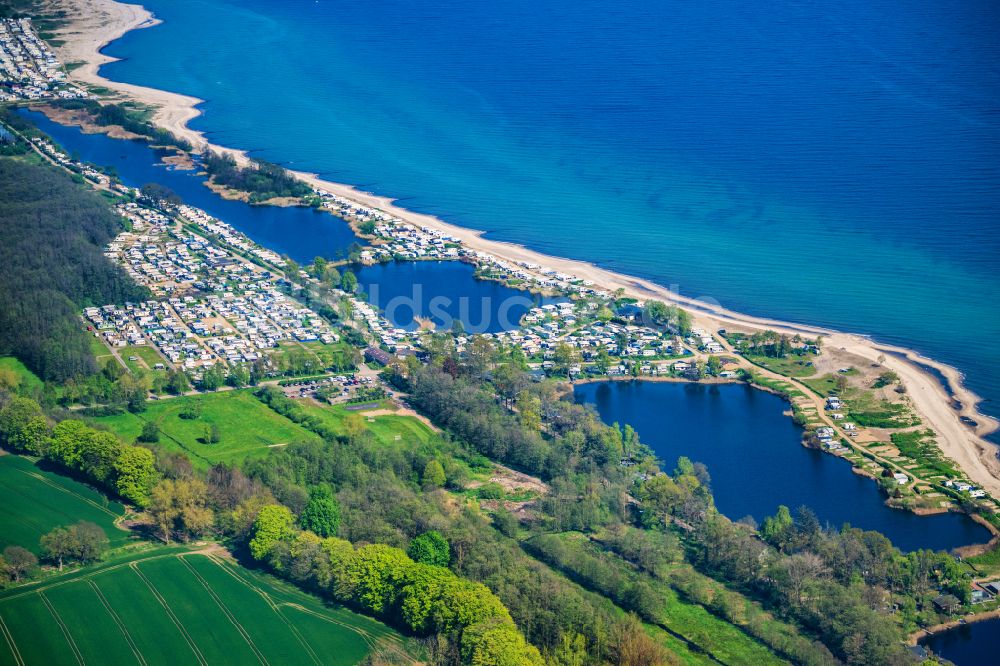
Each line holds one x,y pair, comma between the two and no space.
148,359
33,501
387,428
246,426
172,605
790,366
100,351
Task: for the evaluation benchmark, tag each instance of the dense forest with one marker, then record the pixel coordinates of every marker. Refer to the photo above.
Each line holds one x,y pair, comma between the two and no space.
261,179
52,233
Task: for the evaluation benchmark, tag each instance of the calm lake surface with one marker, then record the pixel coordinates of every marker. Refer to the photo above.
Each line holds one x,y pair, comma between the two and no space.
967,644
443,292
756,461
301,233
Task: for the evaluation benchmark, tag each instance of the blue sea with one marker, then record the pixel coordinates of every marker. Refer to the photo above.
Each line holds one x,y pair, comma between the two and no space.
829,163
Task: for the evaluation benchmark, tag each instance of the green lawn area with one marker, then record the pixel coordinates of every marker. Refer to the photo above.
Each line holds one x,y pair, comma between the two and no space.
790,366
246,426
27,379
987,564
33,501
172,606
100,351
386,427
330,355
145,352
824,386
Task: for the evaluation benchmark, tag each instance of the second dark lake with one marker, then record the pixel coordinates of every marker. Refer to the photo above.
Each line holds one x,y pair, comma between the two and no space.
754,455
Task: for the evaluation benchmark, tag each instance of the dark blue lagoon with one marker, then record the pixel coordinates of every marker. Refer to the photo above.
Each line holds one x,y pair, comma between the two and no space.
754,455
301,233
443,292
966,644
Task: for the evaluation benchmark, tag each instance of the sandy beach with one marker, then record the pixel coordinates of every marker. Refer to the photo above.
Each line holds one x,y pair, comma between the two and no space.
98,22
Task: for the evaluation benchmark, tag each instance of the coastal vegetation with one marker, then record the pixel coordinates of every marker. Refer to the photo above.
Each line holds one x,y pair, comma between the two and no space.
896,449
17,8
260,179
128,116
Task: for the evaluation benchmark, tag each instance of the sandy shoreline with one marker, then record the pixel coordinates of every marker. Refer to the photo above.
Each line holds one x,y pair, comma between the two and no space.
95,23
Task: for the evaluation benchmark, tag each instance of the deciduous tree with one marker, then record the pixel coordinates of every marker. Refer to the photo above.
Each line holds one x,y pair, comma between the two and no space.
20,562
430,548
136,474
322,513
273,524
433,476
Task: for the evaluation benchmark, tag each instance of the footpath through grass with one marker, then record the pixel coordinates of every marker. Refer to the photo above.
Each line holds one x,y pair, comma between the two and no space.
172,605
34,500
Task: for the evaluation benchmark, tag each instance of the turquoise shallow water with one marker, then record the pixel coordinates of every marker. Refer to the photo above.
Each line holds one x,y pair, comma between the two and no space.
836,165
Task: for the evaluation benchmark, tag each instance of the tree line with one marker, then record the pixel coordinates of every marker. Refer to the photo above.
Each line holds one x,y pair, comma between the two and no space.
261,179
98,456
425,598
81,543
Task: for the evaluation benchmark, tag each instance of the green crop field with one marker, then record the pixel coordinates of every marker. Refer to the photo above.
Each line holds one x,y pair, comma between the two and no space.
247,427
33,501
171,606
